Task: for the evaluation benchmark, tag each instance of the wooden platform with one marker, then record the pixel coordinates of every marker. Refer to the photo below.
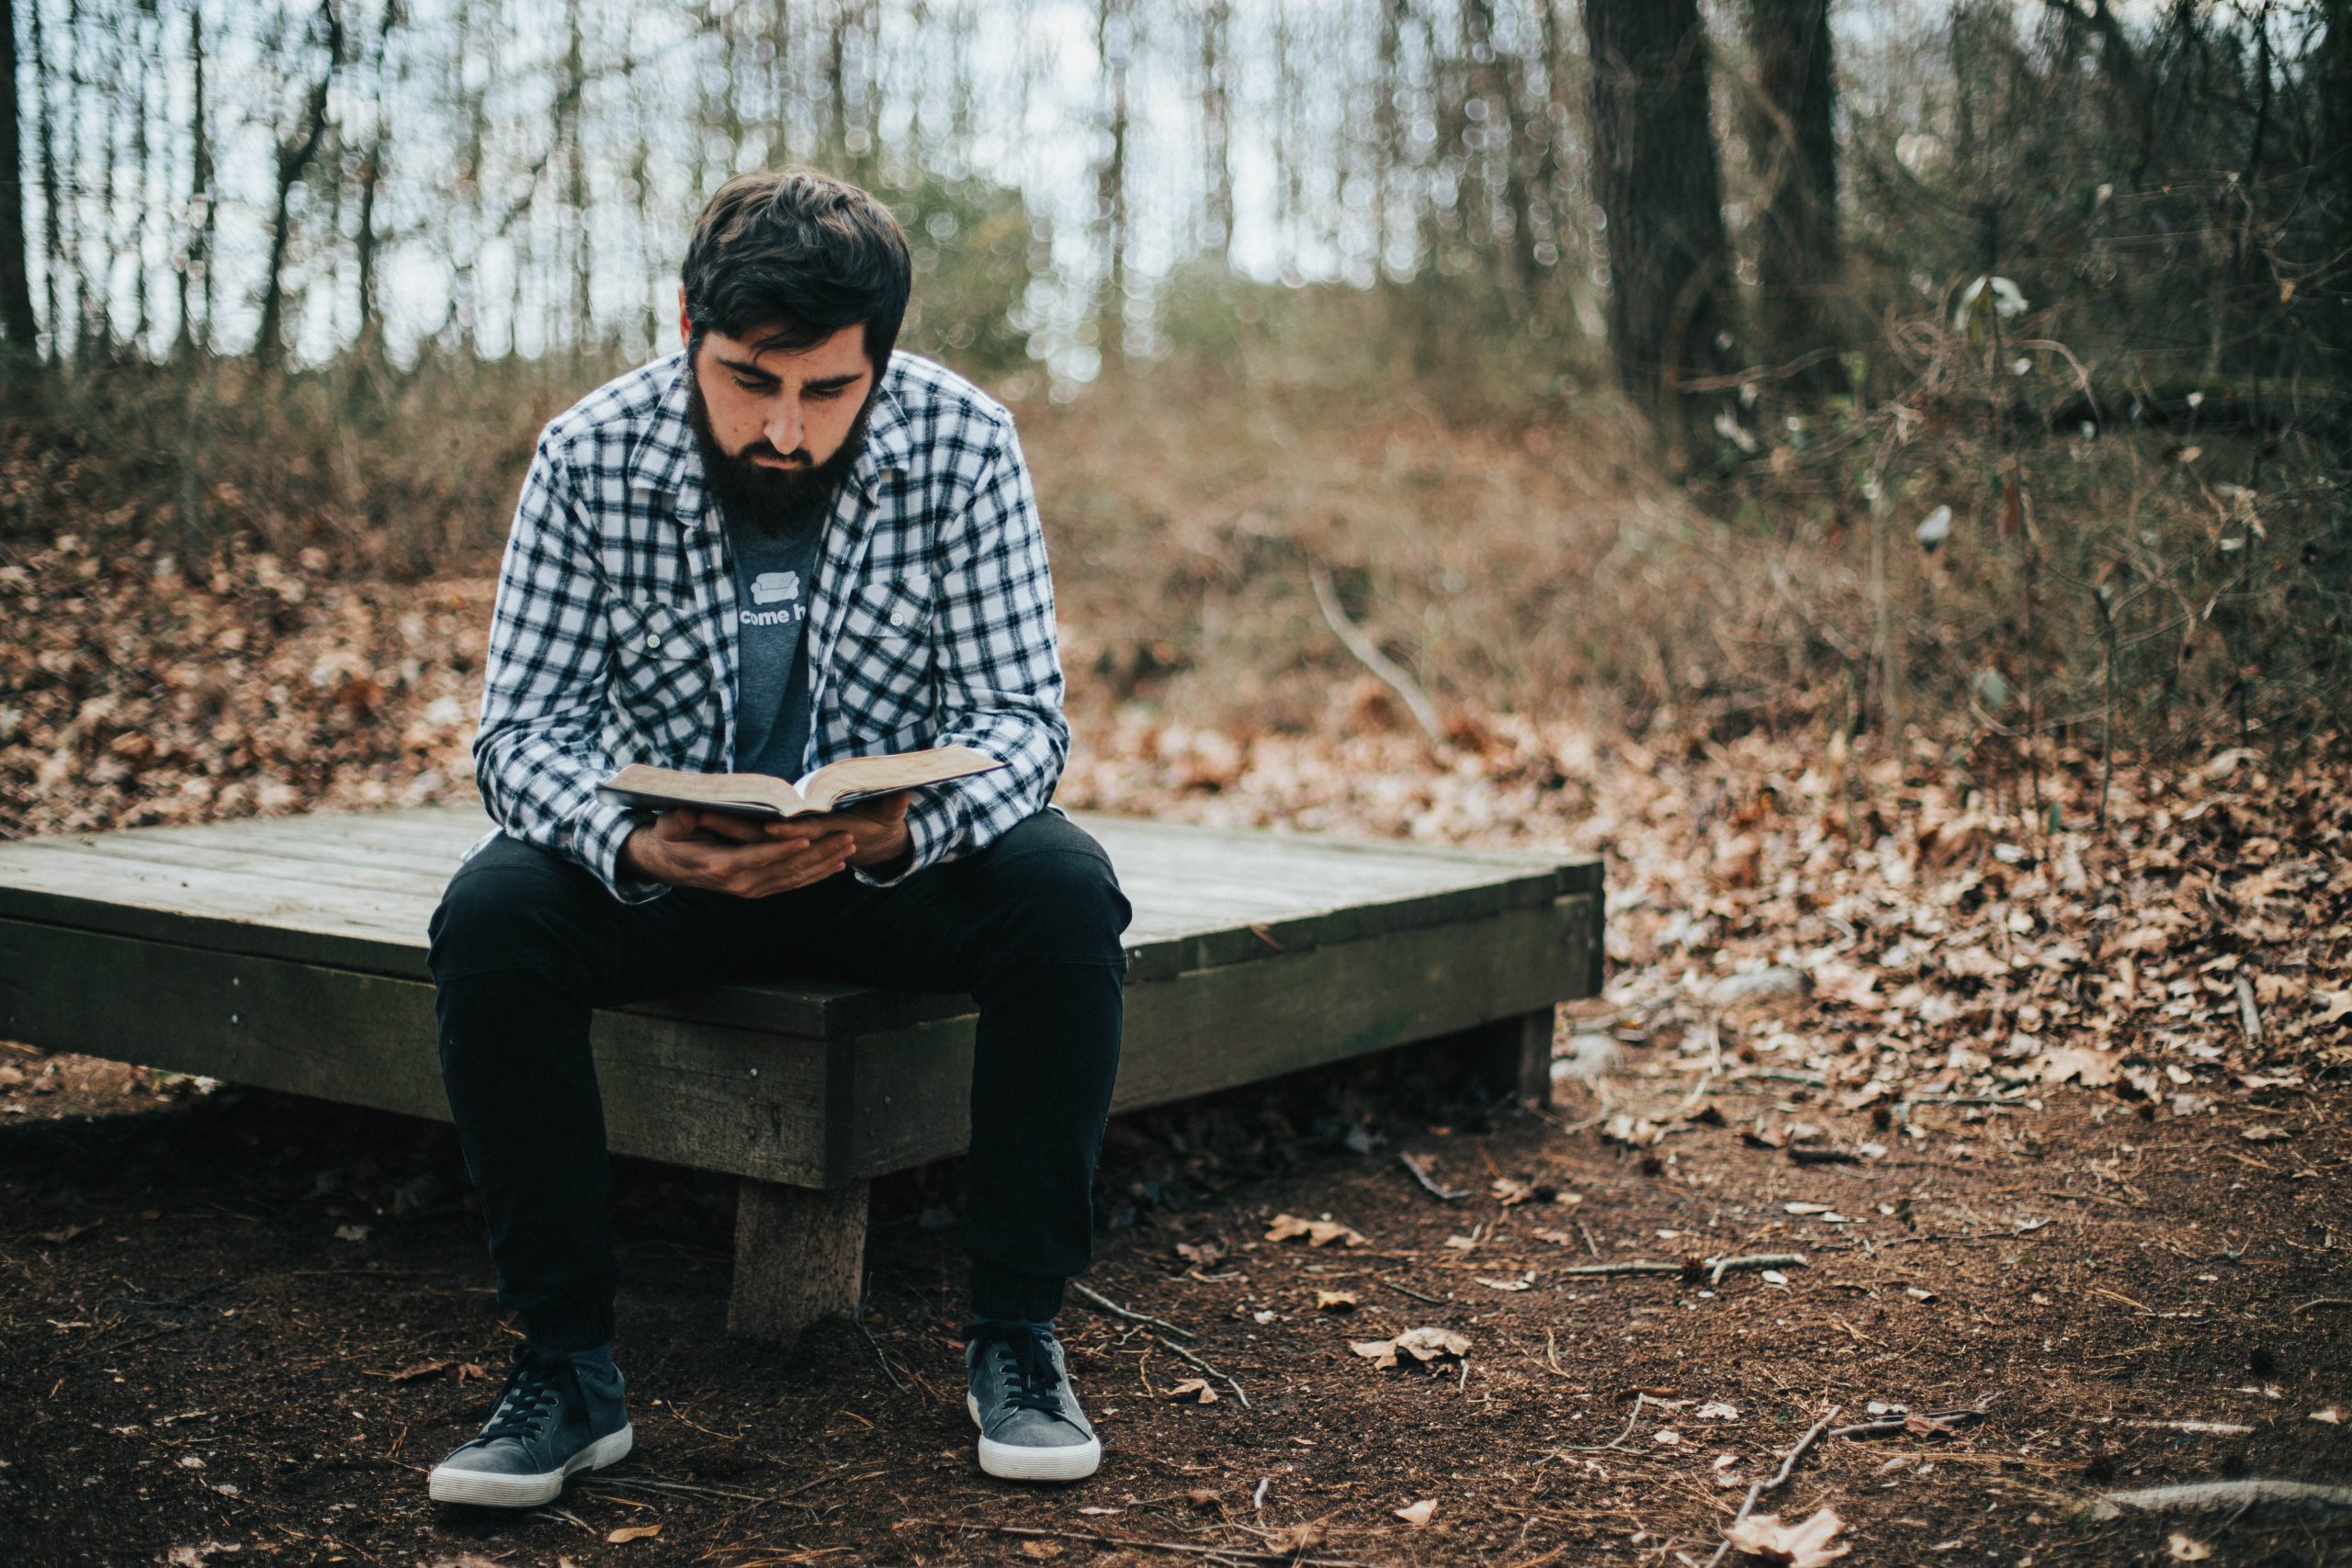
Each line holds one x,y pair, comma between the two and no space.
289,953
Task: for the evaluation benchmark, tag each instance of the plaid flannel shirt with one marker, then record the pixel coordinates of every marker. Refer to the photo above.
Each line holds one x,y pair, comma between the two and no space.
931,621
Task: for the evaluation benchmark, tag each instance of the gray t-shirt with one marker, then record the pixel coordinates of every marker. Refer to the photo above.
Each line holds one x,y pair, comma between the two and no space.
773,576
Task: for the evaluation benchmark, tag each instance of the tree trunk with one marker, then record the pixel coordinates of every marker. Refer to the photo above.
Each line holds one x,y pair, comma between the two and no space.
1216,124
293,157
1113,41
17,320
52,231
1795,152
1655,174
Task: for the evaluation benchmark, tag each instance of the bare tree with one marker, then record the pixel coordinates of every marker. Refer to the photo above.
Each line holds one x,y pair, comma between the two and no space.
294,155
1795,150
1655,174
15,282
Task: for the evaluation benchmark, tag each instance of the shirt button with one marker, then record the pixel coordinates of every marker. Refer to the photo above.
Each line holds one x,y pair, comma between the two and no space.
653,639
898,617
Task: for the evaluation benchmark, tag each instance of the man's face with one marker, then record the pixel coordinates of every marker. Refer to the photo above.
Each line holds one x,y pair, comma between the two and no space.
780,428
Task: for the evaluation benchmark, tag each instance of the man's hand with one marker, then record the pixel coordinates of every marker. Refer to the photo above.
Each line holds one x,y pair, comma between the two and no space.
723,852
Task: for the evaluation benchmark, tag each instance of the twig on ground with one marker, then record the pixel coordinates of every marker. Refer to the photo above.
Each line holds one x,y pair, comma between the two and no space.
1788,1466
888,1370
1639,1399
1714,1268
2214,1496
2249,1016
1409,1290
1368,654
1189,1549
1115,1310
1442,1194
1965,1415
1178,1350
1589,1244
2321,1301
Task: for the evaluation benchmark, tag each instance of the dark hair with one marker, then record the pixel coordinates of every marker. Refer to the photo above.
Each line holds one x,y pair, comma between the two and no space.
795,256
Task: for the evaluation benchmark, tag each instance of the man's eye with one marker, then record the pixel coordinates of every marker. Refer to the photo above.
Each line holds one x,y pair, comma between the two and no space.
825,394
755,386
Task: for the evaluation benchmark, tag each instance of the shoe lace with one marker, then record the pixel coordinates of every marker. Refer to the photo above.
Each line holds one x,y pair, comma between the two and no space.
534,1395
1032,1381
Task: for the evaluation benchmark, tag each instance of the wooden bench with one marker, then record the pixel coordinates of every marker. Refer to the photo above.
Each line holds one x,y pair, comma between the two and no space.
289,953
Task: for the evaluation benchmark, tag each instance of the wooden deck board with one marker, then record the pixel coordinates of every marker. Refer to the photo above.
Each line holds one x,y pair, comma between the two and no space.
357,889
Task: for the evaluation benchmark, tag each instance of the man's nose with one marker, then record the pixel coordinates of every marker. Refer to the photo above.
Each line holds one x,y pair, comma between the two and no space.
783,431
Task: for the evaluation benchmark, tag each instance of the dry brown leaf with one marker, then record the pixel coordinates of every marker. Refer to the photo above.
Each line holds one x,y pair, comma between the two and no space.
1193,1391
1040,1551
1417,1515
632,1532
1318,1232
2186,1549
1423,1344
2092,1069
1804,1544
1335,1301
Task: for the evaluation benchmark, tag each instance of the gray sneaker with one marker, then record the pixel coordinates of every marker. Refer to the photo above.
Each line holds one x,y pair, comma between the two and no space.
1031,1426
551,1421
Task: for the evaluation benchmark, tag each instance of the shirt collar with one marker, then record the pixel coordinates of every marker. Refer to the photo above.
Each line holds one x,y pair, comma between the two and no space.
668,461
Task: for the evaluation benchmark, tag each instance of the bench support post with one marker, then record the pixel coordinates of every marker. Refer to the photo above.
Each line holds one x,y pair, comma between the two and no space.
1511,1057
799,1256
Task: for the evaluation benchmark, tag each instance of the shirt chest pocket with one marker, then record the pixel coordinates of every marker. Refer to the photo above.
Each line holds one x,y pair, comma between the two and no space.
883,658
657,659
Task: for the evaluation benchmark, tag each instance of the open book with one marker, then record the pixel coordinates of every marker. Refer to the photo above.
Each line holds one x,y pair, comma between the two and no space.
760,795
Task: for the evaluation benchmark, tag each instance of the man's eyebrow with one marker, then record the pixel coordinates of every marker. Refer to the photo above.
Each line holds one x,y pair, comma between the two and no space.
744,367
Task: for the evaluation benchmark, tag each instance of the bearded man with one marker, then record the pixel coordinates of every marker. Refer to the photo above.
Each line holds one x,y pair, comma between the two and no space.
787,544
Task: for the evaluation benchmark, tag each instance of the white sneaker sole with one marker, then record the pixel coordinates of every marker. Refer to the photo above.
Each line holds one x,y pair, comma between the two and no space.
486,1489
1014,1461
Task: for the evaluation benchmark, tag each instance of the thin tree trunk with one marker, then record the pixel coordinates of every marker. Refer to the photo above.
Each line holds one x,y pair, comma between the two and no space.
1112,42
143,206
1655,174
1216,125
17,320
52,231
1788,134
293,157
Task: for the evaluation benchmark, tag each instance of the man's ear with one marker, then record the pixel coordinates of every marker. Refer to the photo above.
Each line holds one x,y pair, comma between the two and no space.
685,322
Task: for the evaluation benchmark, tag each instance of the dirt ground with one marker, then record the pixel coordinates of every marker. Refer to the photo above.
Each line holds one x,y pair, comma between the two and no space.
239,1326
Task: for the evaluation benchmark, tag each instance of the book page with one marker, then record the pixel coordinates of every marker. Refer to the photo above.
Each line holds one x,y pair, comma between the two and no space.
754,795
853,777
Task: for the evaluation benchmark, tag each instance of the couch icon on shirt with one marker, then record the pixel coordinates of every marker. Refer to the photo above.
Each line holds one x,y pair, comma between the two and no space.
775,587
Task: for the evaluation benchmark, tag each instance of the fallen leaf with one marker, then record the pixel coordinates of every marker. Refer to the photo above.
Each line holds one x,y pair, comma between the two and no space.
2183,1549
351,1233
1417,1515
1504,1284
1335,1301
1193,1391
1318,1232
632,1532
1423,1344
1039,1550
1201,1254
1808,1209
1302,1537
1804,1544
60,1237
1202,1497
2266,1132
1717,1410
1667,1435
2333,1415
2092,1069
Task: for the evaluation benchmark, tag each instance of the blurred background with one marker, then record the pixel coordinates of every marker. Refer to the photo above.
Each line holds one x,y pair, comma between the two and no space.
1841,371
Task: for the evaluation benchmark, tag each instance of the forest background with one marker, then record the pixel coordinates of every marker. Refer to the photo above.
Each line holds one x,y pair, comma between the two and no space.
1708,370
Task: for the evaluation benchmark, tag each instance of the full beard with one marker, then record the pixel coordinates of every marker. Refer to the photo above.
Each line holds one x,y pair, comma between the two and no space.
771,500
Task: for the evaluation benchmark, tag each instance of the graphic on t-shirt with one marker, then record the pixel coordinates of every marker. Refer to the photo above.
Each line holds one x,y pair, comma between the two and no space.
781,589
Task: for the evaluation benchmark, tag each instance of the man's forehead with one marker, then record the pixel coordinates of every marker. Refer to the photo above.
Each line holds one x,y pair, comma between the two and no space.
841,351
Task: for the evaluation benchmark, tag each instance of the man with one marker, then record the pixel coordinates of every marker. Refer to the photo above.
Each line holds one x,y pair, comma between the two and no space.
787,545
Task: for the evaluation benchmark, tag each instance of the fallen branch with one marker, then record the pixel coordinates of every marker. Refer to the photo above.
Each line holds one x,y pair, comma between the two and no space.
1602,1447
1964,1417
1179,1351
2219,1496
1442,1194
1788,1466
2322,1302
1115,1310
1714,1268
1189,1549
1368,654
1409,1290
